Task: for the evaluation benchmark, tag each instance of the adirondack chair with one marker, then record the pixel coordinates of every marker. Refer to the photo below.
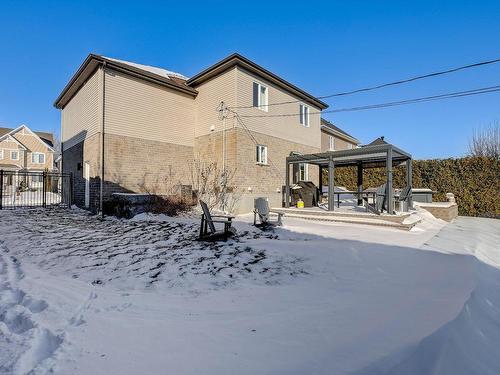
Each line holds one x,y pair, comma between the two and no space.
261,209
404,199
207,227
379,199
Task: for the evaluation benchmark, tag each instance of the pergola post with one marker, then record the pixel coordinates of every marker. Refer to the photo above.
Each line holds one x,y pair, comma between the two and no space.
390,191
331,184
287,184
320,180
360,183
409,180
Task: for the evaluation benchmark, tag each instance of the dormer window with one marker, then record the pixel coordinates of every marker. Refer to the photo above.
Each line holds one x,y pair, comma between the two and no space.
304,115
260,96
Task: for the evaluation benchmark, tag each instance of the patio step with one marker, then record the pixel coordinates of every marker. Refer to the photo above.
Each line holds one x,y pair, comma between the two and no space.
353,220
364,215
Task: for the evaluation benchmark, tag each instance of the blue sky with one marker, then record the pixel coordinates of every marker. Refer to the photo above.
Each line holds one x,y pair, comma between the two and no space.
321,47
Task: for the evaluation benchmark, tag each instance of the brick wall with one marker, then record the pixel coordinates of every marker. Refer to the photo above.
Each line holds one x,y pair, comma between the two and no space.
263,180
143,166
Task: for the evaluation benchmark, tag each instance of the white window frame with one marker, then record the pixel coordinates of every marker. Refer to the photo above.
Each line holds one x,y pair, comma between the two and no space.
262,103
261,154
331,143
304,115
1,153
303,172
17,153
350,146
37,160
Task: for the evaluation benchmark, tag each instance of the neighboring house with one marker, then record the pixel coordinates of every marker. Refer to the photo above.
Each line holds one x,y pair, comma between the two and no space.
334,139
22,149
152,124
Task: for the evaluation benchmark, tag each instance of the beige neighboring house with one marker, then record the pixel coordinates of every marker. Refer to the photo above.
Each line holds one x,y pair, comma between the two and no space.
23,150
140,128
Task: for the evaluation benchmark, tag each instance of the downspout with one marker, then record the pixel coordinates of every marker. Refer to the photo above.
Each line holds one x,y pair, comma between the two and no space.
102,138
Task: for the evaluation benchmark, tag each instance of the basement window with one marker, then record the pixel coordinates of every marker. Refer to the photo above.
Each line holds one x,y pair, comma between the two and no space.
261,154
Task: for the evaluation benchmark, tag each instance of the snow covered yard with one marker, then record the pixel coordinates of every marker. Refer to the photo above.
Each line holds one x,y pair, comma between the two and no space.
84,296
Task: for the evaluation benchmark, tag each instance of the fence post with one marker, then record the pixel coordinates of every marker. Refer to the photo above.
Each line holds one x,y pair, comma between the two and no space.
44,178
1,189
70,189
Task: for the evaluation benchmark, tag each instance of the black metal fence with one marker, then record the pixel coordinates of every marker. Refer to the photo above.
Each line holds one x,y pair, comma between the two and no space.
21,189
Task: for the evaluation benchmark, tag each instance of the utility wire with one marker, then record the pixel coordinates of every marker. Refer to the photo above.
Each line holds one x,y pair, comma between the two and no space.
456,94
399,82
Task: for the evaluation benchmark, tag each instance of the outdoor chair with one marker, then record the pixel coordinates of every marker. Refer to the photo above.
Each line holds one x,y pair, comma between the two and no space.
404,199
261,209
379,200
207,227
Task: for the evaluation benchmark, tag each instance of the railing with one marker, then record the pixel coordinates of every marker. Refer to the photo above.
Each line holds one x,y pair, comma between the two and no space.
25,189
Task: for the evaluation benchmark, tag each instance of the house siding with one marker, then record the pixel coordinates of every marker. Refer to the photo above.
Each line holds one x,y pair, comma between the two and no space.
287,128
210,94
340,144
140,109
81,117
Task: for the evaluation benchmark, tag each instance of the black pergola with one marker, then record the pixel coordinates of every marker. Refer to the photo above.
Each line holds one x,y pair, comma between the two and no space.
371,156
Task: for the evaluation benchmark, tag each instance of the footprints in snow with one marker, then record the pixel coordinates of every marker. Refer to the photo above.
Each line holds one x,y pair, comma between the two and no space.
18,323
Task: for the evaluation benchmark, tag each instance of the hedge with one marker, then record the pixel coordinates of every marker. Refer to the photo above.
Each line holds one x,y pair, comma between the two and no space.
475,181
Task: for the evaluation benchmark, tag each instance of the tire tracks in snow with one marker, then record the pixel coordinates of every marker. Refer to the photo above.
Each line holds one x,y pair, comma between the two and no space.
25,344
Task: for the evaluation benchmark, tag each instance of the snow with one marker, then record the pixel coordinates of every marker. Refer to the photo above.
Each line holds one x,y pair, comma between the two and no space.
152,69
82,295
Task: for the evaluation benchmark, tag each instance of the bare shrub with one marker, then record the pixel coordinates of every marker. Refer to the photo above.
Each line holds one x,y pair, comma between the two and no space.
214,185
485,142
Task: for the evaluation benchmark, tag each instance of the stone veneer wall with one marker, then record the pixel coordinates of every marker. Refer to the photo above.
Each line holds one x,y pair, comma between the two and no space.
263,180
142,166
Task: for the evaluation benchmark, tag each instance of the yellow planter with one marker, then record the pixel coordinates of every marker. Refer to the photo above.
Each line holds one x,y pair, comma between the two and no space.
300,203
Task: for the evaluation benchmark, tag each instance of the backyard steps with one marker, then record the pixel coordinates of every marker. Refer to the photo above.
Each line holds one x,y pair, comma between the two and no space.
402,221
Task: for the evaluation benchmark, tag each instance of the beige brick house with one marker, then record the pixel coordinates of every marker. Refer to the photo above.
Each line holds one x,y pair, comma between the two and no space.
22,149
139,128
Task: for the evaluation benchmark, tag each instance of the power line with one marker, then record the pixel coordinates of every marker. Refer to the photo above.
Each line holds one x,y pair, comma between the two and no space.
394,83
457,94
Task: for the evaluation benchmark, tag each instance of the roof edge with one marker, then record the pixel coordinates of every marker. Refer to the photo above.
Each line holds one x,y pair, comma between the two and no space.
340,134
237,59
94,61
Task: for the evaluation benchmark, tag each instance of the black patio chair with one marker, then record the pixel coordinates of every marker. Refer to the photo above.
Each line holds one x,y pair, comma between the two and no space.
207,227
262,210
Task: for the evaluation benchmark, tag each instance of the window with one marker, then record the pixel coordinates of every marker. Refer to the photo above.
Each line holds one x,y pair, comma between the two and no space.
37,178
260,96
38,158
304,115
349,146
331,143
14,155
261,154
1,154
303,172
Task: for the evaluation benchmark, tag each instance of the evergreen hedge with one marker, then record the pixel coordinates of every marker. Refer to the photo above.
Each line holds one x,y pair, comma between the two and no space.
475,181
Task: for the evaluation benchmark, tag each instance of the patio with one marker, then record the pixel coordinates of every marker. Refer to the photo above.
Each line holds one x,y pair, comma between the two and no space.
375,155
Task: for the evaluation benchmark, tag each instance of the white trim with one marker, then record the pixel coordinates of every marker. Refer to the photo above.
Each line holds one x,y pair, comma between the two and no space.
262,106
331,142
25,127
261,154
304,115
37,162
306,171
1,154
10,138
